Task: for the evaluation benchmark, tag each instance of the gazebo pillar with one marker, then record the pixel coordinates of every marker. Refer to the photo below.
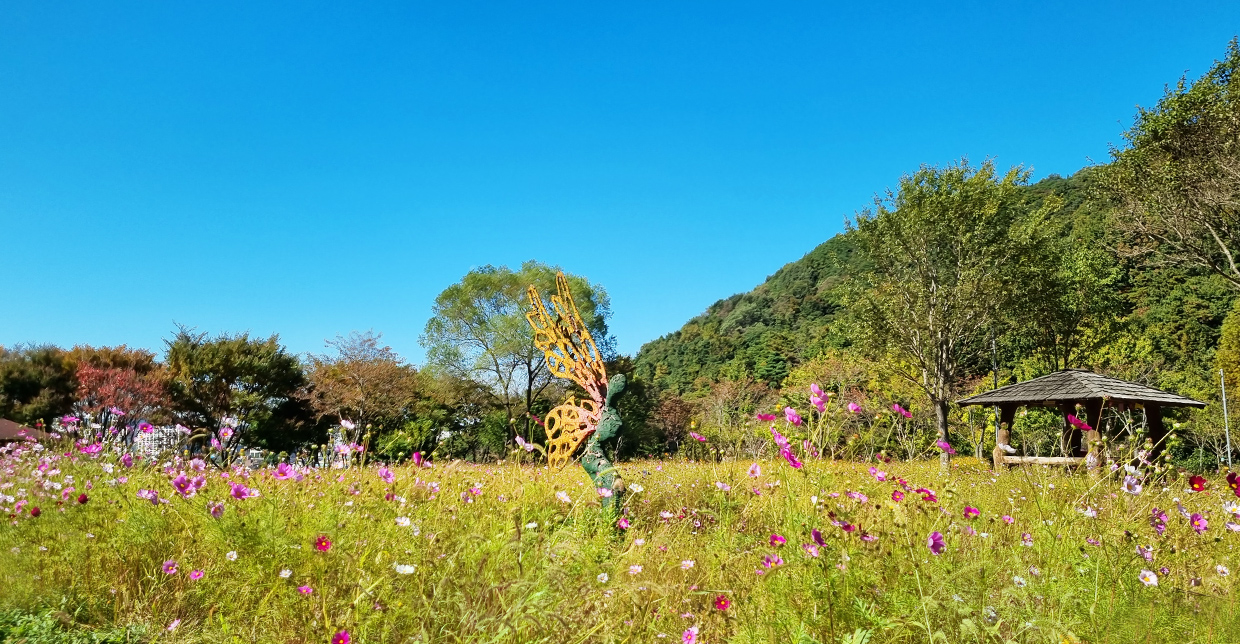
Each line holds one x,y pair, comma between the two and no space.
1156,431
1007,413
1093,437
1070,442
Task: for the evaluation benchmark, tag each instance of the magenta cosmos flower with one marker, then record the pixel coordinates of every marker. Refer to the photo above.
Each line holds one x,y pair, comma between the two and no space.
216,509
936,543
900,410
792,417
897,496
623,523
1198,522
169,567
341,638
240,491
971,512
697,437
722,602
945,446
766,418
195,574
322,543
305,590
777,540
854,408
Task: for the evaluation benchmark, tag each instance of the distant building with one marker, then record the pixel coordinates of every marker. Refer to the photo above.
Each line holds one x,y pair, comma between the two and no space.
11,431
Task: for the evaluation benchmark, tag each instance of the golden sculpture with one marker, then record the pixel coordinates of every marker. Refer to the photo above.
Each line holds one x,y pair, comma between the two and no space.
572,354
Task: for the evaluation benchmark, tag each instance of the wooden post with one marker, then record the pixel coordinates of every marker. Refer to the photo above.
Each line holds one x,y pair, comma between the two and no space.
1093,416
1070,442
1007,413
1157,433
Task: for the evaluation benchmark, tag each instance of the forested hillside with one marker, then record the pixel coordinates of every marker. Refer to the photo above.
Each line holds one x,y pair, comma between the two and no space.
1161,323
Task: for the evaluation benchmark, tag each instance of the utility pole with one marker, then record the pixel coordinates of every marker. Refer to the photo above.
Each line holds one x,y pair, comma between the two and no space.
994,369
1222,382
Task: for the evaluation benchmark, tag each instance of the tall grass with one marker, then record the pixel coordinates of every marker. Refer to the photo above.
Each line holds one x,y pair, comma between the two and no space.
490,554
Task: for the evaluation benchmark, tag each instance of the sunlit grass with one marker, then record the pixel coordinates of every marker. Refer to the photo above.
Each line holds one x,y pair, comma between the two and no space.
491,554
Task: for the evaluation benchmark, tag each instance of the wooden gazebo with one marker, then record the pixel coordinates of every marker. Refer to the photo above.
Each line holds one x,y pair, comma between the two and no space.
1065,390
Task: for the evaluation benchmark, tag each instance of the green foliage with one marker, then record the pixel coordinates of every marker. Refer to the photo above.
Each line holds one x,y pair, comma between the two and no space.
478,331
256,382
36,384
1176,186
761,334
58,627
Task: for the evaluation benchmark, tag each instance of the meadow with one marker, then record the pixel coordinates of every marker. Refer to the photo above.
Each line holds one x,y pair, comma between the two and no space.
130,550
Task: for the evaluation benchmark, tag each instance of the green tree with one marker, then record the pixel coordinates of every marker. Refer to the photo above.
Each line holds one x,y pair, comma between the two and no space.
478,331
36,383
1177,183
254,382
945,249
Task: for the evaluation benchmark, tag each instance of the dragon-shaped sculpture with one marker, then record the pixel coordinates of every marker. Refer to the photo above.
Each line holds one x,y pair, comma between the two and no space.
571,353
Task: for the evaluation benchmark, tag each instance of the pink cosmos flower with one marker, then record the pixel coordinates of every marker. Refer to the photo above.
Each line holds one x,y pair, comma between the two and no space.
819,403
216,509
766,418
816,390
791,458
792,417
240,491
127,459
145,427
529,447
722,602
854,408
857,496
878,474
1007,519
322,543
1092,541
688,637
936,543
183,486
897,496
810,549
971,512
169,567
195,574
387,475
1198,522
755,470
1078,423
697,437
341,638
945,446
900,410
1026,539
777,540
772,561
284,472
305,590
1146,552
115,412
865,536
226,433
149,495
623,523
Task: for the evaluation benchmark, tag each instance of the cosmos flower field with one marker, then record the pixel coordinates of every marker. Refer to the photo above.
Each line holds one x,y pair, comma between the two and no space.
107,546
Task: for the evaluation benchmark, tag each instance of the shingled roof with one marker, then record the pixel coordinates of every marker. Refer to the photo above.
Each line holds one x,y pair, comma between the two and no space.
1077,385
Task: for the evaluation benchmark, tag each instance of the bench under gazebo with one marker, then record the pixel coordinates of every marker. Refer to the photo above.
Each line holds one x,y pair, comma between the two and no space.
1066,389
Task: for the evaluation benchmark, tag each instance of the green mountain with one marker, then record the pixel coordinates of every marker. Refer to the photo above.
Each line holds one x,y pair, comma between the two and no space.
1166,329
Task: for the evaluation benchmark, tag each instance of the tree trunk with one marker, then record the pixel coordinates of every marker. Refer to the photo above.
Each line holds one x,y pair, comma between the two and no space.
940,422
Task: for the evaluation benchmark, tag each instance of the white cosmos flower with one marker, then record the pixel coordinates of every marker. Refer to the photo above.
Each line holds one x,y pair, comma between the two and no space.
602,578
403,522
403,569
286,573
1148,578
231,556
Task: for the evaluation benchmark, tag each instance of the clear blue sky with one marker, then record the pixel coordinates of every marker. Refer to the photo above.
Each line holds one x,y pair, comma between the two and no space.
310,169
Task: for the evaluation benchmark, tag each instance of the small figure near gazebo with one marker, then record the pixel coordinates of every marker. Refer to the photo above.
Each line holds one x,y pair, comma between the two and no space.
1066,390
